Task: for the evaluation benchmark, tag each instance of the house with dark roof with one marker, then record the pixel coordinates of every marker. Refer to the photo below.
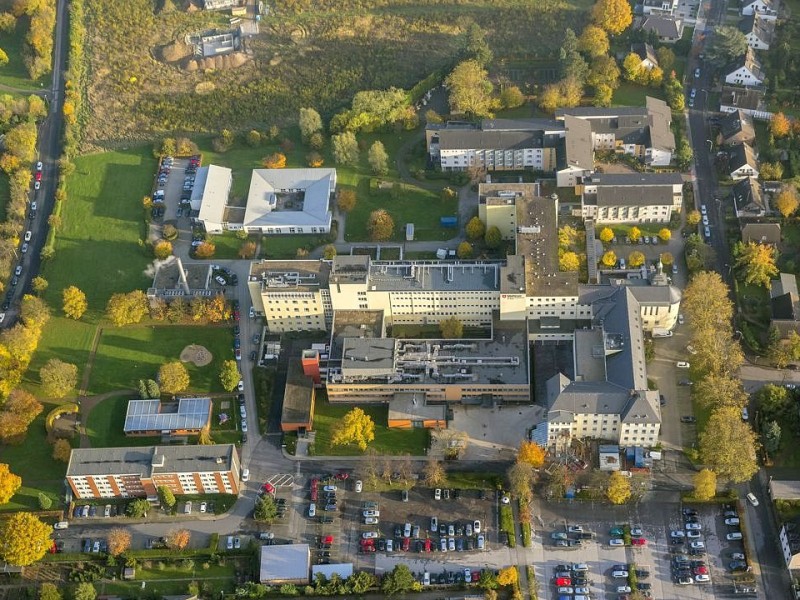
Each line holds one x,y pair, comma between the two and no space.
647,54
608,397
746,70
578,154
749,100
758,31
668,29
762,233
748,200
742,161
766,9
632,197
785,304
736,127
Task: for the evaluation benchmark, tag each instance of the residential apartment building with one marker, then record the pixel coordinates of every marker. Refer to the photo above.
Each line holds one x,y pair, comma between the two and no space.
495,144
94,473
632,197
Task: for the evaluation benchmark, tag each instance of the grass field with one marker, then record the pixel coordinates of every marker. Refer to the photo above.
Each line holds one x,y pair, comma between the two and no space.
387,441
128,354
97,247
631,94
33,461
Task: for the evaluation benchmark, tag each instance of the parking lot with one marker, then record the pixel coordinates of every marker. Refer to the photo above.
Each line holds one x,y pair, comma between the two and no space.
664,562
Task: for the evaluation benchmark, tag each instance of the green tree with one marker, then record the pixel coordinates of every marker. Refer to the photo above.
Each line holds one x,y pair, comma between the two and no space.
757,263
464,250
683,154
62,450
25,539
493,237
774,401
20,141
329,252
570,62
356,427
310,123
399,580
345,149
593,41
705,484
451,328
380,225
727,44
378,158
58,378
84,591
728,446
521,477
74,302
771,434
253,138
44,501
173,377
618,490
229,375
666,58
138,508
476,46
511,97
49,591
470,90
606,235
613,16
266,510
166,497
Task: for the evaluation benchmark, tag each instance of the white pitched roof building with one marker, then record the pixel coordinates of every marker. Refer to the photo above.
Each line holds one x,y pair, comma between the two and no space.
282,201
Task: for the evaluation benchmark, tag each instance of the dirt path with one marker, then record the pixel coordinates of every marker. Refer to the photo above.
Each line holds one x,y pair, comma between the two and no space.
88,370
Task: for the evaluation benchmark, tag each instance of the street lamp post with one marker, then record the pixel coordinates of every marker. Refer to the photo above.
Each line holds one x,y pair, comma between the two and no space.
710,146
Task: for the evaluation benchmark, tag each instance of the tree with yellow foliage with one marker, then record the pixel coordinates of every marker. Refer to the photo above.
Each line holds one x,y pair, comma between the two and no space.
757,263
787,202
606,234
780,125
609,259
705,484
618,490
665,234
25,539
569,261
593,41
531,453
178,539
276,160
636,259
173,377
356,427
127,309
613,16
9,483
508,576
62,450
119,540
635,234
74,302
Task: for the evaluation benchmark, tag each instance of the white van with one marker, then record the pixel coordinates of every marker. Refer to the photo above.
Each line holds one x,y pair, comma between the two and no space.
187,509
61,525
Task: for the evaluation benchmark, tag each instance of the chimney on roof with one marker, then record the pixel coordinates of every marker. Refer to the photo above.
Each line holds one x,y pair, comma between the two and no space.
310,362
158,459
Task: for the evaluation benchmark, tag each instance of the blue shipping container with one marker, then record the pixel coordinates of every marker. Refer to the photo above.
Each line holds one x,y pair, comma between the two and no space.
449,222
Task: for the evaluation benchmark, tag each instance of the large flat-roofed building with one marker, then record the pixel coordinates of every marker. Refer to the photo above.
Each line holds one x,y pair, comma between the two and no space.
440,370
138,472
298,398
292,295
151,417
632,197
495,144
287,563
289,201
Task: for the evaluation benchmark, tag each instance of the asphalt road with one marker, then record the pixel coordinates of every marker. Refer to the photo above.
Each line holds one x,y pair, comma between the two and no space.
49,152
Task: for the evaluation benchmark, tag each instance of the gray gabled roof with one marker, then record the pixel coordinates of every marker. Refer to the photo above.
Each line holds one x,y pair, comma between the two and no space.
737,125
579,143
763,29
748,60
742,155
663,26
476,139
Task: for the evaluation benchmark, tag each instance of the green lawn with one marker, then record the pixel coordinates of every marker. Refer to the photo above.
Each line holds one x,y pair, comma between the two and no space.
34,463
98,246
285,246
387,441
65,339
631,94
413,205
15,74
125,355
228,432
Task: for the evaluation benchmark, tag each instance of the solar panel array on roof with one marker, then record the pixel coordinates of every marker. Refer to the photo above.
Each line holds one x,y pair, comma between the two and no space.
146,415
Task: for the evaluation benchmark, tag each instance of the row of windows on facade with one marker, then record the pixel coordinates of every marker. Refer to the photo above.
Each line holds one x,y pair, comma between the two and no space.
296,230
